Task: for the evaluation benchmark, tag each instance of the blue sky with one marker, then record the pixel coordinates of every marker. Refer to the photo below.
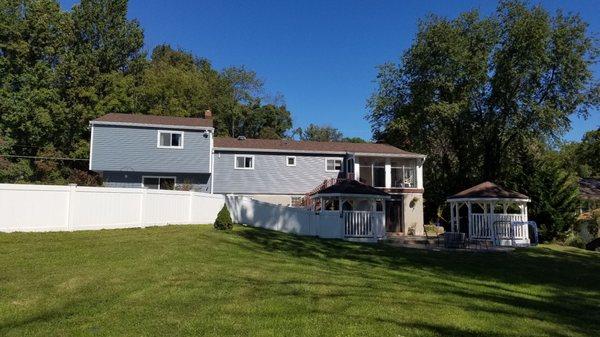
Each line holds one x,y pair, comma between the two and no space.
321,55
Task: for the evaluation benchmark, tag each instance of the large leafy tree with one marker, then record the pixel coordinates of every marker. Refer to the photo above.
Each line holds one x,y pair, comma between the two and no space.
474,93
59,70
583,157
177,83
318,133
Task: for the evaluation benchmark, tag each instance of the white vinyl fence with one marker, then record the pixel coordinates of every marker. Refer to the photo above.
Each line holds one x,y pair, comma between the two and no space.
326,224
31,208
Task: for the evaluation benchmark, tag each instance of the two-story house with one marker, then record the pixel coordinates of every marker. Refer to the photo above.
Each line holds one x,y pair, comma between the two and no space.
182,153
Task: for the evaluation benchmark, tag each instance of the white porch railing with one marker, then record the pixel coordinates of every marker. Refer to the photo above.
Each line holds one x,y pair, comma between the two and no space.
499,227
363,224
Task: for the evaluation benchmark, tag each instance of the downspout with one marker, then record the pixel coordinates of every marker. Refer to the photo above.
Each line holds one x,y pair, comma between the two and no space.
212,163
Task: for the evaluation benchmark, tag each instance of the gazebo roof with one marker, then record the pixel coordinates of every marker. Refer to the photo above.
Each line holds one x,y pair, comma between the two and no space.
351,187
488,190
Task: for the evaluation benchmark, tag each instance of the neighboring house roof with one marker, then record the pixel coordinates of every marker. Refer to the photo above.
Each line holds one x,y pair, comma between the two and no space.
488,190
589,189
350,187
285,145
152,120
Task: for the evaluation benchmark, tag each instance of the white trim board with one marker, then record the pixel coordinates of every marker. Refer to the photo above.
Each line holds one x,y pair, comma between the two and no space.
181,133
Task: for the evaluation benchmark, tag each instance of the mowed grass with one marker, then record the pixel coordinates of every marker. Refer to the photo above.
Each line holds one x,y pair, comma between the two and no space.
194,280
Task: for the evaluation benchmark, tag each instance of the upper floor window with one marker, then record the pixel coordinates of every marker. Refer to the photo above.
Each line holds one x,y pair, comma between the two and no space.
170,139
290,161
333,165
244,162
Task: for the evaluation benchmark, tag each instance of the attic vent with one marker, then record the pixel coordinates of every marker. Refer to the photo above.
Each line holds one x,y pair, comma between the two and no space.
241,137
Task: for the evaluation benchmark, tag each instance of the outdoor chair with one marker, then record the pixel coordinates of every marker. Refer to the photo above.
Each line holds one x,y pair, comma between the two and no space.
454,240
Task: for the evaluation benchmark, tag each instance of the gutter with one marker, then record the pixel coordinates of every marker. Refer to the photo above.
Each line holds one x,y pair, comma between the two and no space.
341,153
162,126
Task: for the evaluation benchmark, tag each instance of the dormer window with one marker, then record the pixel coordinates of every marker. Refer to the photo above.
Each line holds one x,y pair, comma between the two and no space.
170,139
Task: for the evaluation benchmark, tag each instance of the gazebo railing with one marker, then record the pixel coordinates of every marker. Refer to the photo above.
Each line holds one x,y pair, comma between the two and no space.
499,226
363,224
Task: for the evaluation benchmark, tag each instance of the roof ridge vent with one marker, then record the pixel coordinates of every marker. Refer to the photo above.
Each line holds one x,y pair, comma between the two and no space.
241,138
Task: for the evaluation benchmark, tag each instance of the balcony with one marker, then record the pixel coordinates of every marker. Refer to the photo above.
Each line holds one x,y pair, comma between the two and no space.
388,175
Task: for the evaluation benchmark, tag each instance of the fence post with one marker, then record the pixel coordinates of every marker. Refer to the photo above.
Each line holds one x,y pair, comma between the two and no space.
69,207
190,201
142,203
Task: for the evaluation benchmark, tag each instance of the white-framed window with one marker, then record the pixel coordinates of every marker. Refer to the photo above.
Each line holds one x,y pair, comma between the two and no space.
158,182
290,161
333,164
170,139
243,162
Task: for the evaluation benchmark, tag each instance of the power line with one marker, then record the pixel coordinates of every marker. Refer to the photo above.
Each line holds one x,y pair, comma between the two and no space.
44,158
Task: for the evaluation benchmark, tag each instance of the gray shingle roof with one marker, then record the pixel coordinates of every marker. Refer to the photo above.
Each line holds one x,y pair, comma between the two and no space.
488,190
154,120
310,146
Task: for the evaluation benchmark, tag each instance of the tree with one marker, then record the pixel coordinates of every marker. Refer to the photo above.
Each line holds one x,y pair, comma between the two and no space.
555,199
317,133
474,93
178,84
59,70
353,140
264,121
582,158
223,220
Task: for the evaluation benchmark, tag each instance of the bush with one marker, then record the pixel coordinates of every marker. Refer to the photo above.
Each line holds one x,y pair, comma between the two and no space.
223,220
575,240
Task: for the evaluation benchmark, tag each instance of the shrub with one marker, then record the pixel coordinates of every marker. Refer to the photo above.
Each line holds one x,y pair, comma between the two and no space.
223,220
575,240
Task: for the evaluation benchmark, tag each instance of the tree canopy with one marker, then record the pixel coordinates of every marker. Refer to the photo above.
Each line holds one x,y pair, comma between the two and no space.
60,69
477,93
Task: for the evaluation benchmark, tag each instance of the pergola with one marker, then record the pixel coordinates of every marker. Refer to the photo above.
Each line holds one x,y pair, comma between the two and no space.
493,213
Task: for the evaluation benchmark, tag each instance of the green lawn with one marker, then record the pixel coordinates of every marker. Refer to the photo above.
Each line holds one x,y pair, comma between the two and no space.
193,280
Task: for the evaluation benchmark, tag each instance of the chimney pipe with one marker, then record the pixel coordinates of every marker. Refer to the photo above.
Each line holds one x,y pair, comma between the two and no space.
208,114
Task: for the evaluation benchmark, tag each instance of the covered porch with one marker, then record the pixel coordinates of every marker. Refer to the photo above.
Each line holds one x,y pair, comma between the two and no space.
490,212
361,208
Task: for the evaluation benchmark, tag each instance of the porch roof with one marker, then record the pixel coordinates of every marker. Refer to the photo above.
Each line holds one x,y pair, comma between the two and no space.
349,187
487,191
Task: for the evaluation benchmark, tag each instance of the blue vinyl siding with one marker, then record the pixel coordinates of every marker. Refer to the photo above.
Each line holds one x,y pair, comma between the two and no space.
128,148
270,174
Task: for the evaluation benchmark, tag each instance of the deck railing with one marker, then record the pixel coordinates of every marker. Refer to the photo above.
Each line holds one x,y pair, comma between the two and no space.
363,224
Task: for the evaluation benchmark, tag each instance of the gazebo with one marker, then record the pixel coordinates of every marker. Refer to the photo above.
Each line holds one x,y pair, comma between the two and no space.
361,207
490,212
349,195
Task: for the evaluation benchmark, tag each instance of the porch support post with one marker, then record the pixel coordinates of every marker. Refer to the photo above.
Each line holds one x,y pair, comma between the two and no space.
388,174
420,173
356,169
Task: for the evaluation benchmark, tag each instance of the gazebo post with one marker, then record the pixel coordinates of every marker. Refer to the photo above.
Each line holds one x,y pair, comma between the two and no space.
492,205
469,217
452,203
